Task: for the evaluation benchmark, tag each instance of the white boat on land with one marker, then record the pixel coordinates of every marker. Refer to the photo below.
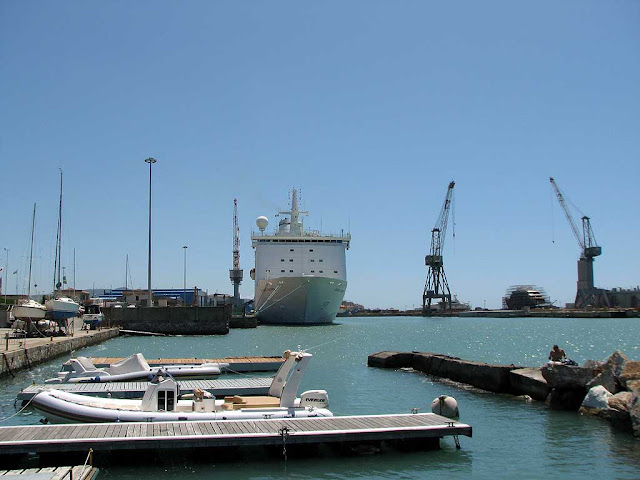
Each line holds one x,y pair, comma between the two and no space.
300,275
133,368
29,309
162,402
61,308
92,317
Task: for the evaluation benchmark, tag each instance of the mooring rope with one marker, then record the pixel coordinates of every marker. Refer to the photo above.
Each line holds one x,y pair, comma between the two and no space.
19,411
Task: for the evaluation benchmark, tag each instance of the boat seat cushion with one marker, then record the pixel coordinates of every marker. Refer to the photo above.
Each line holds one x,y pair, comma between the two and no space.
238,402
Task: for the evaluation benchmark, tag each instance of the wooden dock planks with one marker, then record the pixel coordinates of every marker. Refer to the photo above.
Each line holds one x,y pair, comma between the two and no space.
218,387
236,364
78,472
172,435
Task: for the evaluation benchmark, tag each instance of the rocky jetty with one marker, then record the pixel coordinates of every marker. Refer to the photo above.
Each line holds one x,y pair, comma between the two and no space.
614,392
609,389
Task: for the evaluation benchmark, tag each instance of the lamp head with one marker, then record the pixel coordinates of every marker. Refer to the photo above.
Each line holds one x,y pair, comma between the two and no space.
150,160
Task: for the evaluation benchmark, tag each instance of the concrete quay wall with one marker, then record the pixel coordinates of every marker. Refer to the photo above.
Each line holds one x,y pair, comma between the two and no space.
43,350
172,320
494,378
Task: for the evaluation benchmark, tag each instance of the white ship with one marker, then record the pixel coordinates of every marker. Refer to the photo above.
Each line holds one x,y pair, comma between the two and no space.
300,275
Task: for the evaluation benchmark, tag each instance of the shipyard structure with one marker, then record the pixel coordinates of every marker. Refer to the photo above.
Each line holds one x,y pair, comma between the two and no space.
300,275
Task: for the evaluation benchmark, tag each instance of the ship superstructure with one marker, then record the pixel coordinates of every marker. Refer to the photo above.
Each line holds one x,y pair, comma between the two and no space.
300,275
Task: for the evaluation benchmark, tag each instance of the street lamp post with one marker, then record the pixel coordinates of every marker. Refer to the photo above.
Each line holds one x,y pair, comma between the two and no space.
150,161
6,268
184,287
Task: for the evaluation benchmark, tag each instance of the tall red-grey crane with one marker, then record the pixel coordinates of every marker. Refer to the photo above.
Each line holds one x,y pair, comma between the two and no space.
587,294
236,273
436,285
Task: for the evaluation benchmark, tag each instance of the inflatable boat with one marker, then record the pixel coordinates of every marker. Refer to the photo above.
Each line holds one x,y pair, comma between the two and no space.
133,368
162,402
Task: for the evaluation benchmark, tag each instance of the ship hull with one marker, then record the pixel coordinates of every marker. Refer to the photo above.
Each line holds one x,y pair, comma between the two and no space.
300,300
31,310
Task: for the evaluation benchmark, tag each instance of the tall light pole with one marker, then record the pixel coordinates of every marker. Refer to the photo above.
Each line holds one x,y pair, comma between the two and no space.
150,161
184,287
6,269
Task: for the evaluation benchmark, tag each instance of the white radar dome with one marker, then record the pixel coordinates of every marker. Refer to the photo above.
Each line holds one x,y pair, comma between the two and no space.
262,223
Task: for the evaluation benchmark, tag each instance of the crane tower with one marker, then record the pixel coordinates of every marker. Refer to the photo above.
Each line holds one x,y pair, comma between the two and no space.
236,272
587,294
436,285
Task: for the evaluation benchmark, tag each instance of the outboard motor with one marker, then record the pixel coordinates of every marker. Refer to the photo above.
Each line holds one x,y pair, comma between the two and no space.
314,398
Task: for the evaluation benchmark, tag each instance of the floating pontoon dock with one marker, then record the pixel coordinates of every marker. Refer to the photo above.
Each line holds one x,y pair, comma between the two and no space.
236,364
171,436
218,387
86,472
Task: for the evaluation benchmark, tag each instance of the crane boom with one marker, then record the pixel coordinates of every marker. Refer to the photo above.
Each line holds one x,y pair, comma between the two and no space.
587,294
567,213
436,285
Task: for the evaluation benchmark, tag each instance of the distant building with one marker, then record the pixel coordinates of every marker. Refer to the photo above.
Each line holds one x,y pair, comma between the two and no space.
625,298
162,297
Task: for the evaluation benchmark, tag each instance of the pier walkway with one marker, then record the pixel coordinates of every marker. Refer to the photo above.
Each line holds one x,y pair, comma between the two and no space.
184,435
219,387
236,364
86,472
18,354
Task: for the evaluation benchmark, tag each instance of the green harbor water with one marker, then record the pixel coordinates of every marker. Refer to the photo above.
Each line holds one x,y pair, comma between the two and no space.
511,438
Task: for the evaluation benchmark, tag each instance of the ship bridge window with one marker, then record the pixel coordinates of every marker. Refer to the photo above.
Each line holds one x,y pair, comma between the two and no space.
291,259
320,260
291,249
312,260
281,271
335,271
311,249
321,271
290,271
282,259
313,271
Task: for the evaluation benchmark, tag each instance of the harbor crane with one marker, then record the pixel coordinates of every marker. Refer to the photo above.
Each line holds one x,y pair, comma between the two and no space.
236,273
436,285
587,294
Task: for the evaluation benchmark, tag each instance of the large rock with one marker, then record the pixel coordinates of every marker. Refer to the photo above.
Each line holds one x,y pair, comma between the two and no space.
597,397
566,399
605,379
634,412
630,375
567,376
615,408
620,401
616,363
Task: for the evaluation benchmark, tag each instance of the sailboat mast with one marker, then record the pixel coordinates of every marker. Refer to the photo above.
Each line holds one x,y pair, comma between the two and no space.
57,266
126,272
33,224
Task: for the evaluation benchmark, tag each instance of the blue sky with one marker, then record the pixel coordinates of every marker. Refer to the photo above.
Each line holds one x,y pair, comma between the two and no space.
370,108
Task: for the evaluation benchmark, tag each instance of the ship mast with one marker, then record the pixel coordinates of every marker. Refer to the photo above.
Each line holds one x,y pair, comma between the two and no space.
296,224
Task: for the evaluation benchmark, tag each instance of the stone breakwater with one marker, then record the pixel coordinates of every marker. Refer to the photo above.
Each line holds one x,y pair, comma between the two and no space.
560,386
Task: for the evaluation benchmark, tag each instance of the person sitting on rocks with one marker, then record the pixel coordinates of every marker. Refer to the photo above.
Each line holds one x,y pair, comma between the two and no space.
557,354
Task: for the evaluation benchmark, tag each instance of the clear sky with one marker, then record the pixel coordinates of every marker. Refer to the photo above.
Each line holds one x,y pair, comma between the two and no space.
368,107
